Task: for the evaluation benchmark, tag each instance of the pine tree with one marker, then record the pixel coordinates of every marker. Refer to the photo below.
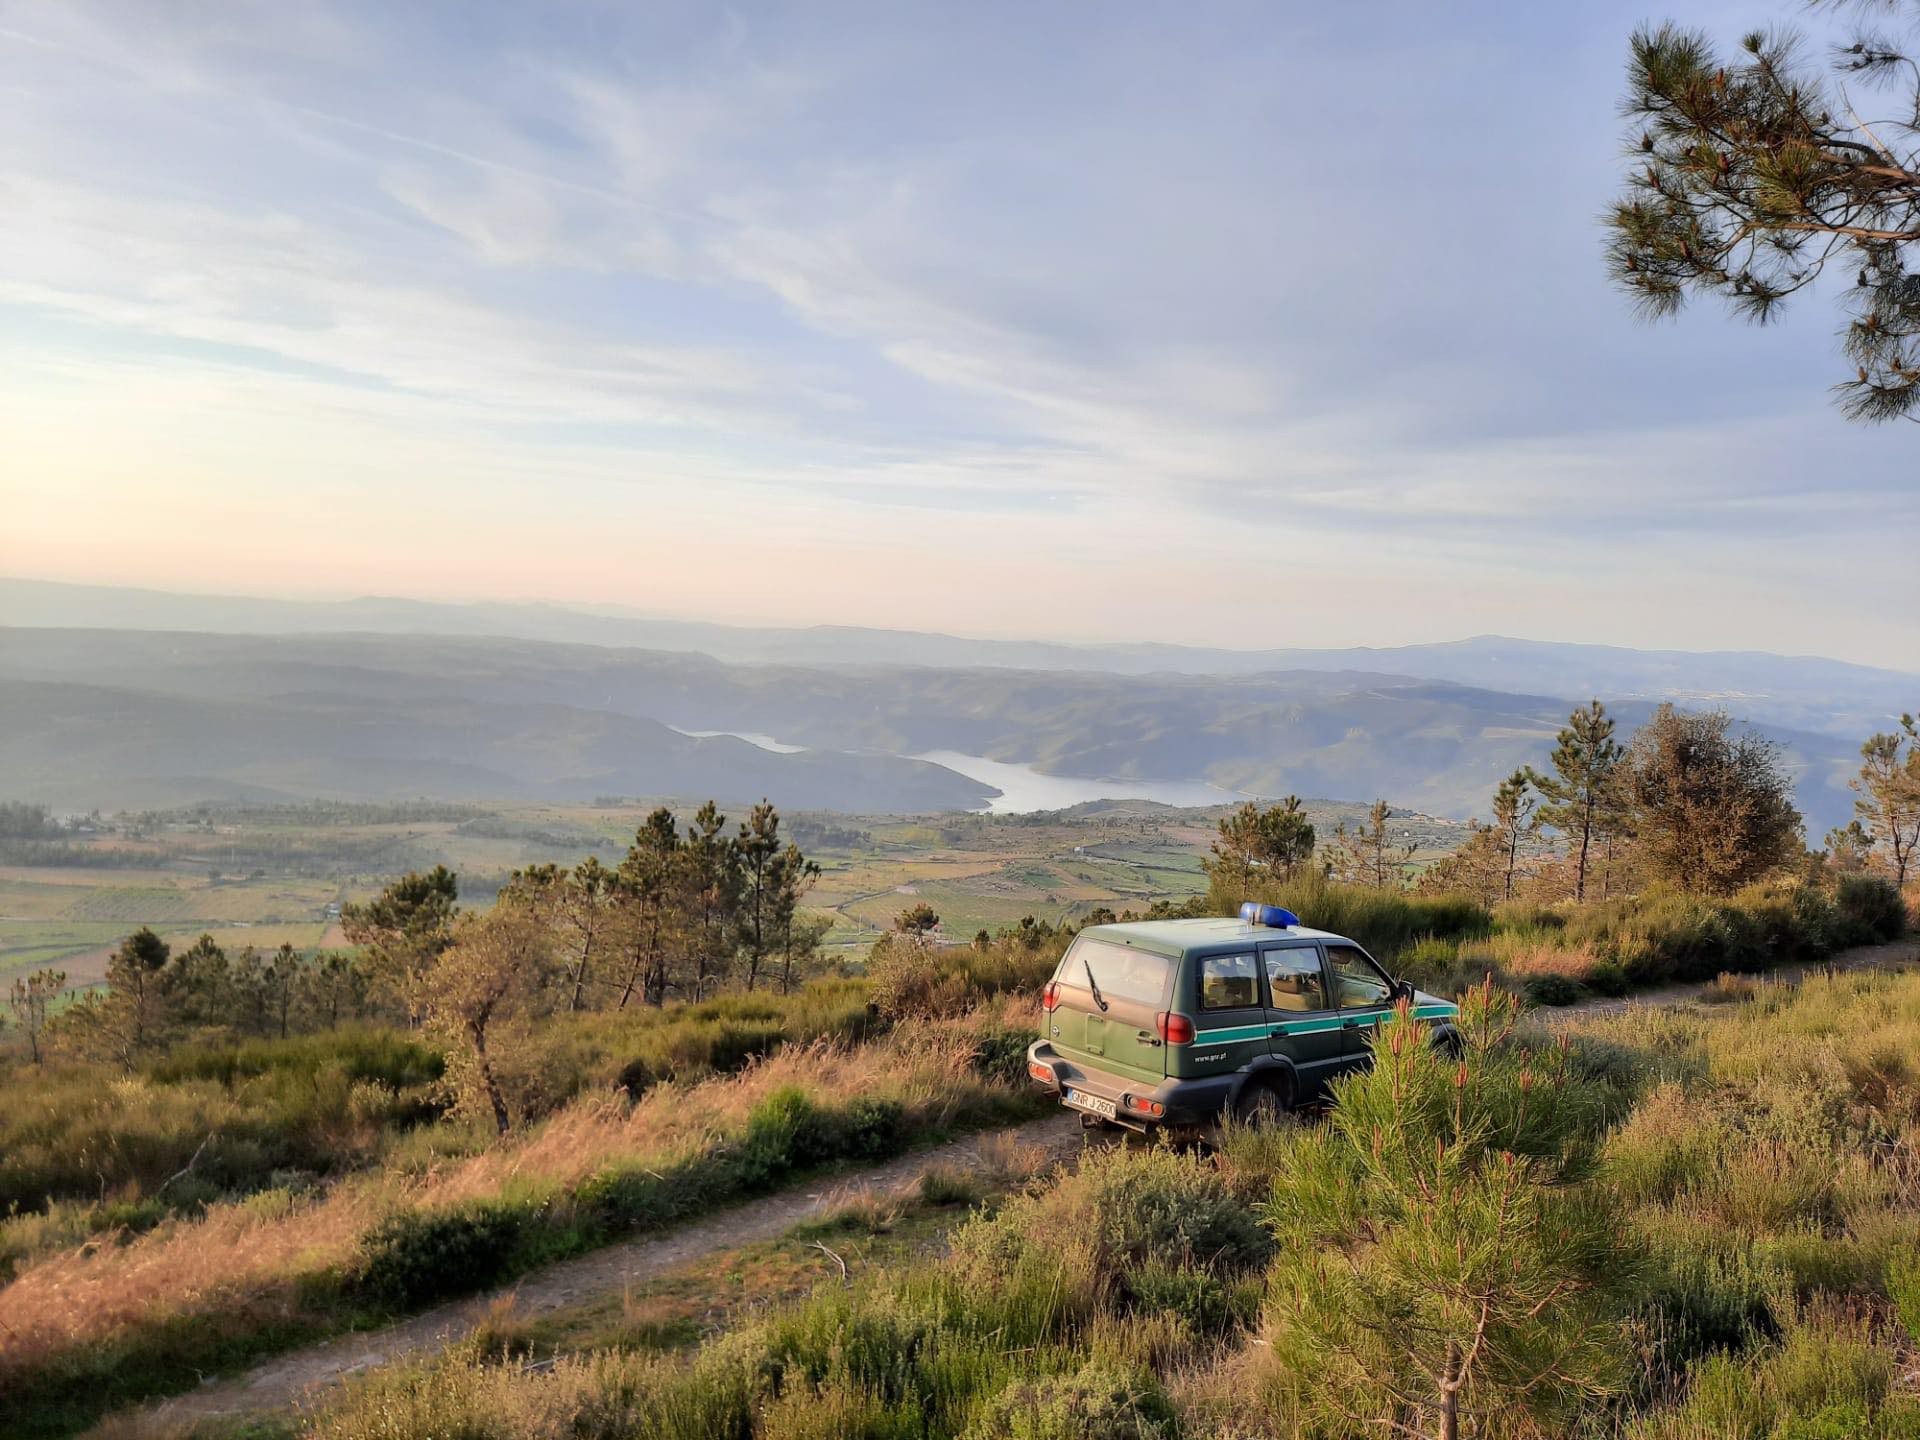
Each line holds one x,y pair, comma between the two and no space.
773,877
32,1004
582,906
280,981
917,920
1441,1273
1711,811
711,872
1367,855
1514,819
650,887
1748,177
1888,787
1255,845
480,990
405,928
131,1016
1583,791
199,984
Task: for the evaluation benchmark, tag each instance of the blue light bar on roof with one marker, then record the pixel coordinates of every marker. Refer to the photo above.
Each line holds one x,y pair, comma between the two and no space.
1271,916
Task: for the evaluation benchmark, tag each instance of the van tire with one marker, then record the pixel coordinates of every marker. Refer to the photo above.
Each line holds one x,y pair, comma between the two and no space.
1449,1042
1262,1104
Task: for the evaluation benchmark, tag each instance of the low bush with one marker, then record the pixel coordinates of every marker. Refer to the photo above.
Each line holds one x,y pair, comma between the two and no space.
1093,1403
1001,1054
1552,989
415,1258
1554,954
1868,910
386,1057
1127,1211
1386,922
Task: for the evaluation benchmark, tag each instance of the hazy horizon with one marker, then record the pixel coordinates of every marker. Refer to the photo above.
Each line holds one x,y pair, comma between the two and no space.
993,322
684,616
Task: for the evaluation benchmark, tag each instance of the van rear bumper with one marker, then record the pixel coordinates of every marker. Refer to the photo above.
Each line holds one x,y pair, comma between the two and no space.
1183,1102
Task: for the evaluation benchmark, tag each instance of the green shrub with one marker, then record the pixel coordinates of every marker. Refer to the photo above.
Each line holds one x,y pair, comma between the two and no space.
1700,1297
1386,922
386,1057
1130,1208
1607,977
1001,1055
1090,1404
417,1257
1200,1299
870,1129
785,1132
1903,1285
1868,910
1551,989
940,1185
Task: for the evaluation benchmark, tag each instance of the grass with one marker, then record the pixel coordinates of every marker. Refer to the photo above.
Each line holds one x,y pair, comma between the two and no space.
1557,954
1758,1161
92,1328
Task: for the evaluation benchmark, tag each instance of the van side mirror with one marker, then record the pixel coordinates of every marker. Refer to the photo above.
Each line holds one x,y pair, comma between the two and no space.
1403,990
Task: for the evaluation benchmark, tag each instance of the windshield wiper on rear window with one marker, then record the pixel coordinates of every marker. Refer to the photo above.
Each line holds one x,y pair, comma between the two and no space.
1093,984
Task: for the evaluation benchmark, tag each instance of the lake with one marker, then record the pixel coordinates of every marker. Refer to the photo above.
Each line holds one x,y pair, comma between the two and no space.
1024,789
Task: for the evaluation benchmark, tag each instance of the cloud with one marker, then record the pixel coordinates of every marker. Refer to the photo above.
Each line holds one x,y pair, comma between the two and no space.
988,288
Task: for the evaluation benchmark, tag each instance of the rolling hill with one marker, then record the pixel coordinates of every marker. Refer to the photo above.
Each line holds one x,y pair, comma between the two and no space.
455,715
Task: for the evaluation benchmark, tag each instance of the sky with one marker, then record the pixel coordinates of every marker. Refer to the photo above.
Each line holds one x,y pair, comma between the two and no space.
1246,324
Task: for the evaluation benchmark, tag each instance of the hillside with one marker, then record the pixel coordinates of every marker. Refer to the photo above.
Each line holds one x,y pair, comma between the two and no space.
398,715
108,747
1808,693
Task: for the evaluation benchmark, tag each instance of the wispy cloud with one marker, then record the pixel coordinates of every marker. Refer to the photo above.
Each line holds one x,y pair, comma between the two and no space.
945,300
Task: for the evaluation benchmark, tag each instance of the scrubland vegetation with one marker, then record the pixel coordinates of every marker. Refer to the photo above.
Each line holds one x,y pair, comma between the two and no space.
214,1157
449,1210
1659,1224
1672,858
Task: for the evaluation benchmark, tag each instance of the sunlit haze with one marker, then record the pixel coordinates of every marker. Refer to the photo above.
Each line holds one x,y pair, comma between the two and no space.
1242,324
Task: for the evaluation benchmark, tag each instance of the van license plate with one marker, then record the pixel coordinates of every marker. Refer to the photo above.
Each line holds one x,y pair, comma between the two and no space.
1092,1104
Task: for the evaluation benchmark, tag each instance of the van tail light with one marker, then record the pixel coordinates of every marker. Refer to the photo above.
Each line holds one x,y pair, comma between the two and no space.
1174,1028
1050,997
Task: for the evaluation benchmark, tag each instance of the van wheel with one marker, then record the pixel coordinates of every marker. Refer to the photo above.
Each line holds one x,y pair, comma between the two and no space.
1449,1043
1261,1106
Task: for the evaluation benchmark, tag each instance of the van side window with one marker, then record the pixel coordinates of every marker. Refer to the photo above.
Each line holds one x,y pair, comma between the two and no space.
1294,978
1228,982
1355,981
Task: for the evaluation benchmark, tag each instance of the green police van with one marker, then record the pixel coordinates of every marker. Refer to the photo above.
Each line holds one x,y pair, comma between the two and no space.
1178,1022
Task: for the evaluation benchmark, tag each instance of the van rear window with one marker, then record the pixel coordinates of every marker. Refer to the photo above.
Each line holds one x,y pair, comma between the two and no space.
1122,972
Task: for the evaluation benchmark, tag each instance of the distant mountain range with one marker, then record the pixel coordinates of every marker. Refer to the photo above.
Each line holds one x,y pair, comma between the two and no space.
1804,693
139,717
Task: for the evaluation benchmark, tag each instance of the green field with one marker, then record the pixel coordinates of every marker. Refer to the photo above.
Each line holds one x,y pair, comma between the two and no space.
263,876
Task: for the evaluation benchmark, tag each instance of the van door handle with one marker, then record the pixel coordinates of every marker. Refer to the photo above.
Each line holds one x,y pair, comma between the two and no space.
1148,1036
1352,1024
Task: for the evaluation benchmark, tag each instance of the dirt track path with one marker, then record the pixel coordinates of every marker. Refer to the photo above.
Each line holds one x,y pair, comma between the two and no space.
280,1383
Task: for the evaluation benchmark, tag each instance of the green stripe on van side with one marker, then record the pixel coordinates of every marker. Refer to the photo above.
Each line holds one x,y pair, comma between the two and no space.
1301,1027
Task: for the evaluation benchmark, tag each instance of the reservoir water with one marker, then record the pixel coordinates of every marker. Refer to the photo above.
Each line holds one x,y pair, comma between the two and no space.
1024,789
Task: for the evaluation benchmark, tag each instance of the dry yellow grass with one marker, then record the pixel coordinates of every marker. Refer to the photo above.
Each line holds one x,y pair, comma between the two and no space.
246,1257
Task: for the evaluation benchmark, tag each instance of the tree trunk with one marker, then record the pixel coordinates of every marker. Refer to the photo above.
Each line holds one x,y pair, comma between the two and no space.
487,1080
1580,873
1450,1395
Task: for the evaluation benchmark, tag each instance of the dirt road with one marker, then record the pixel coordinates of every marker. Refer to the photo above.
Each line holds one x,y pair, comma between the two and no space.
279,1383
